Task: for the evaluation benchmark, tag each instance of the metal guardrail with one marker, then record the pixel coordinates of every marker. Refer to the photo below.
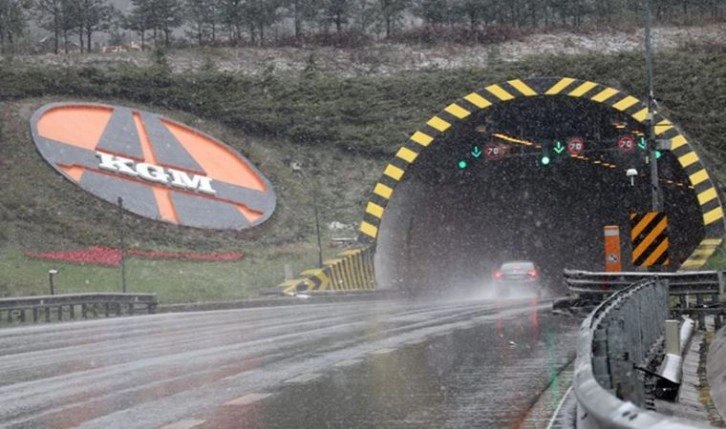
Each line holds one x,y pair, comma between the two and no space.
63,307
613,340
681,283
698,292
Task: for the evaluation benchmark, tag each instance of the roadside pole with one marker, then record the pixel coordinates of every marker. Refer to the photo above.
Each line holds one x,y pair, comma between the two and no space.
122,246
657,200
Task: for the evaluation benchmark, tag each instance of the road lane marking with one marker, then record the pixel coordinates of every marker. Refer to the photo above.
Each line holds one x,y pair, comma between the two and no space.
551,423
305,378
248,399
347,363
382,351
184,424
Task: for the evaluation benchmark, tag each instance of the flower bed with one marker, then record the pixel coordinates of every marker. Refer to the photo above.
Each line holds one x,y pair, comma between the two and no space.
108,256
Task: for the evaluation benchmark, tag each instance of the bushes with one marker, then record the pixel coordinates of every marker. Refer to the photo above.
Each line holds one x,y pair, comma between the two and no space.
463,35
346,39
371,115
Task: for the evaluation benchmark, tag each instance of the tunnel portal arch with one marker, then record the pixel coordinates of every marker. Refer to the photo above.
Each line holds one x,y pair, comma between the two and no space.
711,211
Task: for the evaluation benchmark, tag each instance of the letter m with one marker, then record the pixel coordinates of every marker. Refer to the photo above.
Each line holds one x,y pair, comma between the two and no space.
196,182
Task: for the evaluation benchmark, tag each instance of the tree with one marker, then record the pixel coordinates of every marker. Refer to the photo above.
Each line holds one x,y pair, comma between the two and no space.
12,20
366,15
139,19
49,16
301,11
336,12
233,18
168,15
390,12
473,11
434,12
93,16
202,17
261,14
159,16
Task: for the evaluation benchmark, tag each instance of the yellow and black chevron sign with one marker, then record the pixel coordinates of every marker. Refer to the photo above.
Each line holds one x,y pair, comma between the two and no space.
649,238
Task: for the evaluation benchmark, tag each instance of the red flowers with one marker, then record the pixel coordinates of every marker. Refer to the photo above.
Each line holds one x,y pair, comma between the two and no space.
112,257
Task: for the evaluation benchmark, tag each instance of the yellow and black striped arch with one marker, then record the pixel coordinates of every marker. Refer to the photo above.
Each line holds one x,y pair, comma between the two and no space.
461,109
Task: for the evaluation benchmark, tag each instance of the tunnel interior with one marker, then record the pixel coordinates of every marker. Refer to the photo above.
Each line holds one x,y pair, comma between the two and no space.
483,193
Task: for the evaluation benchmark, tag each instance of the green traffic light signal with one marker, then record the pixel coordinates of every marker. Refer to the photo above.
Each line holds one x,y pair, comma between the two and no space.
462,164
658,154
545,160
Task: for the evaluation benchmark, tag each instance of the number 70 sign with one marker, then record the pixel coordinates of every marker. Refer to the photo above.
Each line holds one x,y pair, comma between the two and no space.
495,150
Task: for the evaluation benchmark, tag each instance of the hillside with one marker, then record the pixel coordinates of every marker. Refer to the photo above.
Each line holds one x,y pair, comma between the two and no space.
342,128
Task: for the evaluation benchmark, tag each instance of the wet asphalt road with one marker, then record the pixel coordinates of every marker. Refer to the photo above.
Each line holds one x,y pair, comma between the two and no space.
362,364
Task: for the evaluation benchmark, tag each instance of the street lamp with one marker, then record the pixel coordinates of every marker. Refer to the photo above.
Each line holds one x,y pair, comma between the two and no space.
51,275
631,173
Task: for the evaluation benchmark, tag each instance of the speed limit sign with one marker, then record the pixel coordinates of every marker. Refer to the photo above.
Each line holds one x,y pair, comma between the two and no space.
575,146
626,144
493,151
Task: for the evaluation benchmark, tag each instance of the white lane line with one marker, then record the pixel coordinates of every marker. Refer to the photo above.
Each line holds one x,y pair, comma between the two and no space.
416,342
248,399
382,351
184,424
559,407
305,378
347,363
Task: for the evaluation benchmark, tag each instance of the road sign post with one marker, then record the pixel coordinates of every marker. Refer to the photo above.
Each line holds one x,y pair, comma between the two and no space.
613,259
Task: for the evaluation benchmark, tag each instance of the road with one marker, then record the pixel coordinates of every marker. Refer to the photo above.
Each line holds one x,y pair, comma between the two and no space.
359,364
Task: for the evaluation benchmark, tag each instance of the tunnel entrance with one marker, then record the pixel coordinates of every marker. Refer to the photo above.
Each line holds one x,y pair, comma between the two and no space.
534,178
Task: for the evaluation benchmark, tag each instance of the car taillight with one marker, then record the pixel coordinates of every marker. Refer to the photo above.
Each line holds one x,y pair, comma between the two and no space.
498,275
532,273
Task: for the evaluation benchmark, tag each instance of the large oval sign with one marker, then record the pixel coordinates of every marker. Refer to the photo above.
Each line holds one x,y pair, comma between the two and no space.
162,169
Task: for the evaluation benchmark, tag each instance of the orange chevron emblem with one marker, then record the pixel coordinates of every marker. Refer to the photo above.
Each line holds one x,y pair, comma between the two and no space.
164,170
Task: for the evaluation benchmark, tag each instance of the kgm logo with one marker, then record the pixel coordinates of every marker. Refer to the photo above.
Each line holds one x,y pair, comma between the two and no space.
162,169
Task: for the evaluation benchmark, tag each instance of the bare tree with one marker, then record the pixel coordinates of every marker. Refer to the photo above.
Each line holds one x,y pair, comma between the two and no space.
390,12
49,16
12,20
336,12
301,11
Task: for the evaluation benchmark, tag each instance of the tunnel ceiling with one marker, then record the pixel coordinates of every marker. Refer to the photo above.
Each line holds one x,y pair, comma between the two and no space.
471,188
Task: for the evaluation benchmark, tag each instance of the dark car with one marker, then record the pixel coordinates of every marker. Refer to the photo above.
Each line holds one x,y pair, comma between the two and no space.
518,277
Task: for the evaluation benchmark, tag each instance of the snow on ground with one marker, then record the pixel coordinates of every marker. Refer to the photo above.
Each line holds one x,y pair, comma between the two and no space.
384,58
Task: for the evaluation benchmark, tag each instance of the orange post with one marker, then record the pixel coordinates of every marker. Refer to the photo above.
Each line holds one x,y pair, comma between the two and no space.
612,249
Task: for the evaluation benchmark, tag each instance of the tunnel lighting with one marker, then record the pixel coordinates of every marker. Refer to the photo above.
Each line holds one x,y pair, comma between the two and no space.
463,164
512,139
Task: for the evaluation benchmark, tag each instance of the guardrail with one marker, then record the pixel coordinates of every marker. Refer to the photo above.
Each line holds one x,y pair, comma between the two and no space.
681,283
698,292
63,307
615,338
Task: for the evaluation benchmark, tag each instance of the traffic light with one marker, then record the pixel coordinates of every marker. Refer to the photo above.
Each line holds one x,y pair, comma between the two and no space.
463,164
643,145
